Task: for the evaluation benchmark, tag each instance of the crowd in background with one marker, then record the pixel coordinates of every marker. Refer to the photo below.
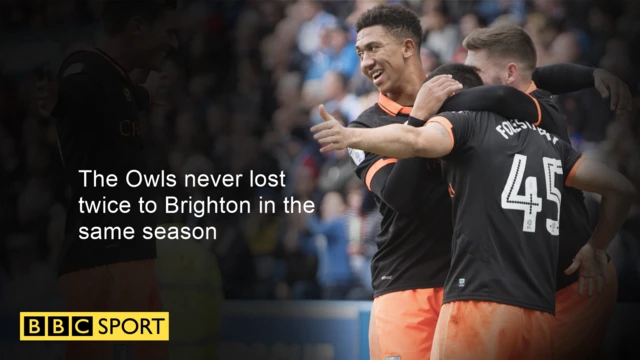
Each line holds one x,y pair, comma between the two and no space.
241,94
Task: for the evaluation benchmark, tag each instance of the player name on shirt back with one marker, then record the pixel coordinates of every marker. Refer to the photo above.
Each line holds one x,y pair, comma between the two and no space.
513,126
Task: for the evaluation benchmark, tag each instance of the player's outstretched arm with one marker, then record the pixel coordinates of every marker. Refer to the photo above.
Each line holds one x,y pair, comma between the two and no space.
617,196
501,99
398,141
565,78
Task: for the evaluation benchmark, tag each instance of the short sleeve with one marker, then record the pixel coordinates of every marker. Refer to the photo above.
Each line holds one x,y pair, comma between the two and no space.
571,160
460,127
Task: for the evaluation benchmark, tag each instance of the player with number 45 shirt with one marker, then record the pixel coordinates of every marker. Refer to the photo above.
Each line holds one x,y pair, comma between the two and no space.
506,180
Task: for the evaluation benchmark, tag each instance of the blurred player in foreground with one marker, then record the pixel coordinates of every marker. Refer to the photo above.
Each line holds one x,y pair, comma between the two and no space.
506,55
411,264
100,113
505,180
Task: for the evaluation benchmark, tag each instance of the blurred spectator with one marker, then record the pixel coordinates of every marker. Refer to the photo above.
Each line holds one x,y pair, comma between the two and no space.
339,54
430,59
359,7
602,26
587,113
542,33
514,9
336,172
315,19
468,23
441,34
553,9
362,228
334,270
338,98
566,48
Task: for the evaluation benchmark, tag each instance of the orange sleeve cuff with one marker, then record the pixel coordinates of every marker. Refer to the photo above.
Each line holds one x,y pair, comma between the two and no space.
573,171
375,168
446,124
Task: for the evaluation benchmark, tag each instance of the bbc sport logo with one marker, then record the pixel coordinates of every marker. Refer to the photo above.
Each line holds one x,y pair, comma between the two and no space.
94,326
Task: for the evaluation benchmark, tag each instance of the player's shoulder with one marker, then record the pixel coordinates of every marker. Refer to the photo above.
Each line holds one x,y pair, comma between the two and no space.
545,99
84,62
463,115
558,143
372,117
541,94
367,118
456,114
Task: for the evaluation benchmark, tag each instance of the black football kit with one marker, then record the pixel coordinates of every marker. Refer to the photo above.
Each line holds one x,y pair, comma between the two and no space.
411,195
506,181
100,115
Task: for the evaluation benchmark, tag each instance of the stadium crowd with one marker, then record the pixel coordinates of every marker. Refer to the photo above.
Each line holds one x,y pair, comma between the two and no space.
241,93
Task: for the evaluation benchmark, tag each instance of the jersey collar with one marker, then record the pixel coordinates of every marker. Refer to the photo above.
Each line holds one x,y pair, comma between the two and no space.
532,87
393,108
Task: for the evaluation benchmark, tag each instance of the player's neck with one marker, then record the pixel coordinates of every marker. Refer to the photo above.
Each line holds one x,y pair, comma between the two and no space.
522,84
411,86
114,48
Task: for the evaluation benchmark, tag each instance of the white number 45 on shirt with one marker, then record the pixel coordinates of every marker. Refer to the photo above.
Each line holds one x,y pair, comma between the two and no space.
530,203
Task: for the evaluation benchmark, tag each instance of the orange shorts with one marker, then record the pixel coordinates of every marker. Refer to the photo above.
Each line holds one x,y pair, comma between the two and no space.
581,320
127,286
488,330
403,323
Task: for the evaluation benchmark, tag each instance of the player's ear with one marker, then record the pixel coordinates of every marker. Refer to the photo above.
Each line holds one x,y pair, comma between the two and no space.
512,73
408,48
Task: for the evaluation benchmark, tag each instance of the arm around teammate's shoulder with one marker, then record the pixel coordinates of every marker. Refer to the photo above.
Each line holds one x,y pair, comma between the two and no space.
563,78
567,77
504,100
398,141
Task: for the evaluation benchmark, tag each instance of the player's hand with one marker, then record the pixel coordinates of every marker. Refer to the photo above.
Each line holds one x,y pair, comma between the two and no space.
330,133
432,94
611,87
46,94
592,265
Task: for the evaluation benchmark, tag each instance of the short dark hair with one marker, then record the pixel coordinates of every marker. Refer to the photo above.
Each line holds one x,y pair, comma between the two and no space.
397,19
116,13
502,41
464,74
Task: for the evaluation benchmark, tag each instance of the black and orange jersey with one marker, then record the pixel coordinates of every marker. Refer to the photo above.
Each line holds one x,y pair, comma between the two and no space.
538,107
506,180
415,232
411,195
575,230
99,116
414,240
